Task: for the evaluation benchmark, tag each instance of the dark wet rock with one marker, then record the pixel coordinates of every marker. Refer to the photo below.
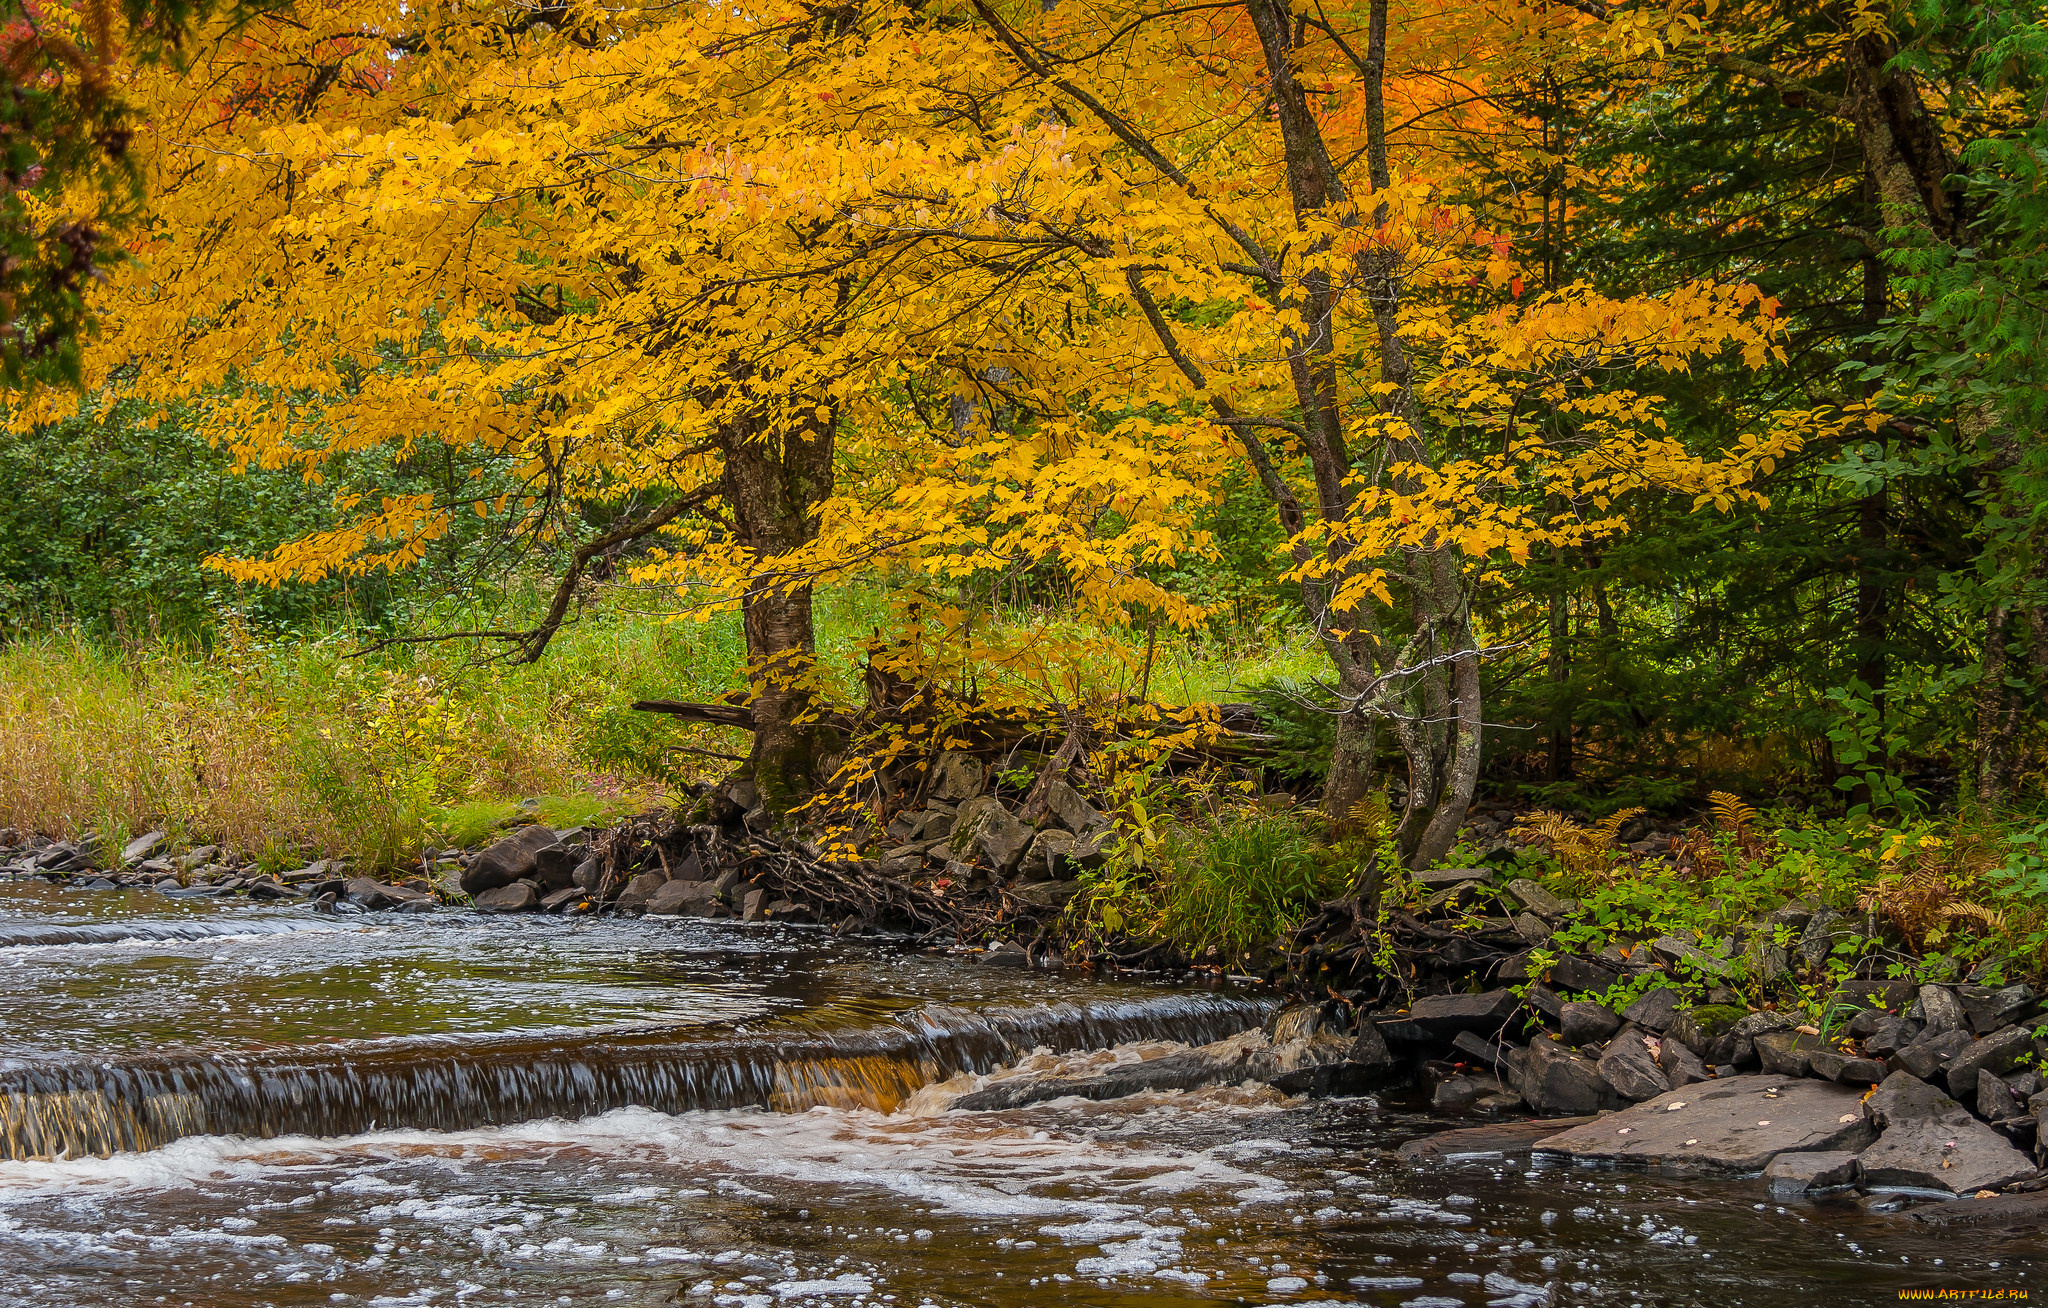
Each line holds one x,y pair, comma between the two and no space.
1503,1140
790,910
1824,930
1888,1035
1369,1054
372,894
1928,1055
1793,914
1788,1053
1091,852
1073,812
1005,953
1681,1066
1737,1045
143,846
554,867
1991,1010
1583,1022
506,861
97,883
1997,1051
519,897
1732,1126
684,899
1630,1066
2013,1214
1654,1009
1574,973
1941,1011
1557,1080
1532,929
1535,898
956,777
1457,1093
987,831
1869,995
324,903
1484,1051
1439,1017
265,888
1846,1068
585,877
753,906
556,901
1546,1001
1794,1176
1931,1142
1513,968
1684,956
634,897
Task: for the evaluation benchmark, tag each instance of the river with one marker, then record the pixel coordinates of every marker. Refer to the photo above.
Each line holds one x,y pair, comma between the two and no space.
210,1103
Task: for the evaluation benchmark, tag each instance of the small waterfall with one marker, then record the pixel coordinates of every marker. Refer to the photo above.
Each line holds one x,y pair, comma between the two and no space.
29,935
76,1107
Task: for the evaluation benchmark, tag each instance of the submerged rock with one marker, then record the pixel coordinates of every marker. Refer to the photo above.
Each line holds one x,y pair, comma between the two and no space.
1732,1126
1794,1176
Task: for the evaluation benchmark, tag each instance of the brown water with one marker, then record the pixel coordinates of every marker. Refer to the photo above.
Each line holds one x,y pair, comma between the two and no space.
439,1109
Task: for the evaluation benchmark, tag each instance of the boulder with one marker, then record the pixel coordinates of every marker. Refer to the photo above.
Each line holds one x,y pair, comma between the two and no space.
1535,898
1991,1010
1942,1011
372,894
1630,1066
639,890
1996,1101
1824,931
143,846
1005,953
1997,1051
1931,1142
986,830
1046,894
585,876
1654,1009
754,906
518,897
1091,852
1222,1063
1731,1126
554,867
1574,973
1439,1017
1582,1022
1928,1055
1846,1068
1442,878
684,899
1554,1079
1681,1066
1788,1053
1457,1093
1046,860
561,899
2001,1214
1071,811
1737,1045
507,861
1794,1176
1683,956
1888,1035
956,777
1532,929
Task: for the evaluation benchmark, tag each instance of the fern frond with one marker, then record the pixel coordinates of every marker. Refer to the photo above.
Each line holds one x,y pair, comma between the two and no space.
1609,828
1730,812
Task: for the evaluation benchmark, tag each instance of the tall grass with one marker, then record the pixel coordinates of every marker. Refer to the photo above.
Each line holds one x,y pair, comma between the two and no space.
1241,883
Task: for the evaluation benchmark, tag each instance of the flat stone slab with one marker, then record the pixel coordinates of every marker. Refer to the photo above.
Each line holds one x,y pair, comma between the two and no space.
1931,1142
1492,1141
2015,1213
1735,1125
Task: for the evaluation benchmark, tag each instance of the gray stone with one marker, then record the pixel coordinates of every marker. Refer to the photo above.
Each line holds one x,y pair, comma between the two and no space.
1824,931
585,876
1047,858
1996,1101
515,898
634,897
1991,1010
1555,1079
1787,1053
1583,1023
1732,1126
507,861
1941,1010
561,899
1997,1051
754,906
372,894
1532,929
1848,1069
1574,973
1535,898
1504,1140
1927,1056
1680,1065
1073,812
1091,852
1046,894
684,899
1794,914
265,888
1888,1035
1005,953
1443,1016
1457,1093
986,830
2003,1214
1630,1066
1683,955
956,777
554,867
1441,878
1794,1176
1654,1009
1482,1050
142,846
1931,1142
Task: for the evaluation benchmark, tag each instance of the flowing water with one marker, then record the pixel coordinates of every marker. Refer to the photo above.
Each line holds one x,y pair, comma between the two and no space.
227,1104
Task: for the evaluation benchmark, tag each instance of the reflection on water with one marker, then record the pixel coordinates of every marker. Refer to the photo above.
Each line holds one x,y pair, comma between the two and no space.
541,1074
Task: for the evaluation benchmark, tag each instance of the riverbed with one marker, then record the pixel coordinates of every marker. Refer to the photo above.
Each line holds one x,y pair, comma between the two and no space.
219,1103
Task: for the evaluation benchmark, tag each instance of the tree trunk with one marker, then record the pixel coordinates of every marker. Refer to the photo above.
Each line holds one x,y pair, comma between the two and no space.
1560,660
1996,716
775,480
